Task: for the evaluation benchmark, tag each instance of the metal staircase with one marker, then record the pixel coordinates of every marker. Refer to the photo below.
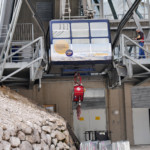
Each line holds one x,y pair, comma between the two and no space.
127,63
21,61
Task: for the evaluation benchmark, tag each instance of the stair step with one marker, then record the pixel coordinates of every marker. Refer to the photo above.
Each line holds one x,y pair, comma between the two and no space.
14,65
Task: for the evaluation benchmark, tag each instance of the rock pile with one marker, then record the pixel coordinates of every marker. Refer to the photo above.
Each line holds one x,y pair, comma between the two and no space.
25,126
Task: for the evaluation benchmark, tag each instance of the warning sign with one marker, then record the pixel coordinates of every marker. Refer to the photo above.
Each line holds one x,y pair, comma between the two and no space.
97,118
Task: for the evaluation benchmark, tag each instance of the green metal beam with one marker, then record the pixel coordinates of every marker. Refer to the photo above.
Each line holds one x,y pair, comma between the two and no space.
112,9
96,2
139,14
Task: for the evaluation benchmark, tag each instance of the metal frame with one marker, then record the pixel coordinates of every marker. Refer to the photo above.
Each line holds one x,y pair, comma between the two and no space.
128,61
36,47
79,21
35,62
9,37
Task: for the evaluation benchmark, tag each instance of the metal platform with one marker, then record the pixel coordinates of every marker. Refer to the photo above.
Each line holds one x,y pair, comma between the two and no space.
129,67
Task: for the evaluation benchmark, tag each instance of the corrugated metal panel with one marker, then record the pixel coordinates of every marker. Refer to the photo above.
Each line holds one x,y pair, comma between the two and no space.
141,97
94,93
45,10
93,98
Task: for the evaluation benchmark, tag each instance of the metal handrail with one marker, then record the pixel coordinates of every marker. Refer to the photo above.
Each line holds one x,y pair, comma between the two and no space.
19,50
15,72
35,59
133,41
122,43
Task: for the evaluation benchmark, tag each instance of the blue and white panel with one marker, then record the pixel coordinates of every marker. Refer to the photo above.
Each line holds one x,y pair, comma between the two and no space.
79,40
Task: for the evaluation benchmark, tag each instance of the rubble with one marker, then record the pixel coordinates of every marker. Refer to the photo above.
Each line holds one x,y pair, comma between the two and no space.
26,126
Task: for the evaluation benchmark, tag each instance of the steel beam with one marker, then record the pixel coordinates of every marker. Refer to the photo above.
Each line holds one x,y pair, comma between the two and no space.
135,16
141,82
112,9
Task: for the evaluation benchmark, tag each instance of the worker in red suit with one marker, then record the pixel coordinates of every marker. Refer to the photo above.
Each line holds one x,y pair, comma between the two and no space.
140,38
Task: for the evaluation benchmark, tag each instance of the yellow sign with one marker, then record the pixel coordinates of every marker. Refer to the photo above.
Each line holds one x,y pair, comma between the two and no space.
101,54
97,118
81,119
61,46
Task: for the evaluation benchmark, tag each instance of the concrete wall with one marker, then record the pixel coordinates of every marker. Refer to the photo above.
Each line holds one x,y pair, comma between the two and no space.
118,100
59,92
26,16
128,112
116,114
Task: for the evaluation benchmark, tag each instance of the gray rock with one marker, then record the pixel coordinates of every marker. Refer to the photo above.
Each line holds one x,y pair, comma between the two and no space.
37,127
13,132
61,145
6,135
48,141
25,145
15,149
54,141
37,147
1,146
66,133
59,135
52,119
26,129
4,127
31,139
30,124
57,148
52,125
14,141
1,134
36,136
44,145
73,148
61,128
66,146
53,134
43,136
60,123
21,136
6,145
52,147
46,129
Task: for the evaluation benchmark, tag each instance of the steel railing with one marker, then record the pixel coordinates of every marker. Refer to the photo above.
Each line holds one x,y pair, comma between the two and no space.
133,57
33,62
20,50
